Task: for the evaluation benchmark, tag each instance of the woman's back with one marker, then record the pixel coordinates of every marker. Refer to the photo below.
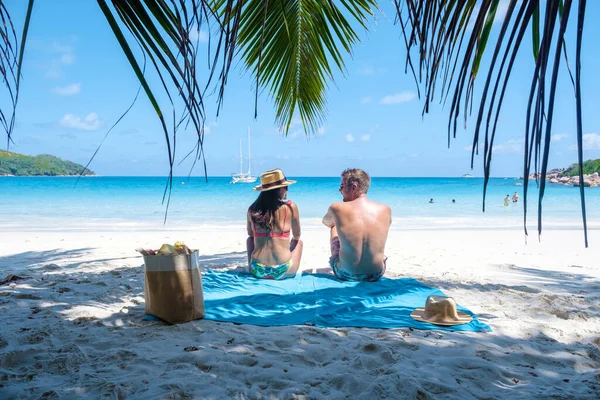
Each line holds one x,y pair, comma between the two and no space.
271,220
272,246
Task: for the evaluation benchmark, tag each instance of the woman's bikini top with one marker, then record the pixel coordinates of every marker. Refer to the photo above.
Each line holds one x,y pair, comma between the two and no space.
285,234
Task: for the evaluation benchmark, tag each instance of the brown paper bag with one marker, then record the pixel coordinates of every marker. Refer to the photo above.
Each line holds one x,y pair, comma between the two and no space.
173,287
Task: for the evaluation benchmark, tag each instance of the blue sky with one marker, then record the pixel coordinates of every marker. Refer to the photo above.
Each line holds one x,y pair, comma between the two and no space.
76,84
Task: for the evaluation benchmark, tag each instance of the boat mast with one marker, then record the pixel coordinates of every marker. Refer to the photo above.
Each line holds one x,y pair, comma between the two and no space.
249,160
241,159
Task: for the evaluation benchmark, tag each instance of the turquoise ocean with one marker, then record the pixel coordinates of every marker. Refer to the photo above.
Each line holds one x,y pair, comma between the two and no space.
55,203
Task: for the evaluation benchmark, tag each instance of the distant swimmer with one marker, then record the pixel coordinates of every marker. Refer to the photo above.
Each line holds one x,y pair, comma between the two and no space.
506,200
454,201
515,197
430,201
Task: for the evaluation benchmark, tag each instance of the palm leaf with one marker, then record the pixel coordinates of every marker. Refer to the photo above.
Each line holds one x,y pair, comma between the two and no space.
11,62
292,48
580,20
446,23
161,30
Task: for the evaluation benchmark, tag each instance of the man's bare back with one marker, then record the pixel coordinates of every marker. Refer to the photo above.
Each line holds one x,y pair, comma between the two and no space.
359,230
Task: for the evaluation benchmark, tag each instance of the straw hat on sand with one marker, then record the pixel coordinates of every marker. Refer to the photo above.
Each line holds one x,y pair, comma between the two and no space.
441,310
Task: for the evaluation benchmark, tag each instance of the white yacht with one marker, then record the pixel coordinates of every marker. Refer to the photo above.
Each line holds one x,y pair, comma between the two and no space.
244,177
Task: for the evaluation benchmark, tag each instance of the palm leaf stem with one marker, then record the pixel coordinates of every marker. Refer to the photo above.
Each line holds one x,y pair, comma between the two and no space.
580,20
548,134
133,62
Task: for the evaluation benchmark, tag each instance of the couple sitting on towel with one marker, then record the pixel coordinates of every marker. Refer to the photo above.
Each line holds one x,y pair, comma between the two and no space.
359,230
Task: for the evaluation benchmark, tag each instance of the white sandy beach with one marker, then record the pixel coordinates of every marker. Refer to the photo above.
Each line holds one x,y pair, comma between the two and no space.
74,328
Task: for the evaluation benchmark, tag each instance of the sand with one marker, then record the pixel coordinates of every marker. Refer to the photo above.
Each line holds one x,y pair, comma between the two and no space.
74,327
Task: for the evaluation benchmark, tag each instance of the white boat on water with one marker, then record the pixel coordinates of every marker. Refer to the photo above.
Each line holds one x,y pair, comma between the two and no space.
244,177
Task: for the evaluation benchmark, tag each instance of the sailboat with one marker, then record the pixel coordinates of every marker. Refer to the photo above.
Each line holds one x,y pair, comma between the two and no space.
244,177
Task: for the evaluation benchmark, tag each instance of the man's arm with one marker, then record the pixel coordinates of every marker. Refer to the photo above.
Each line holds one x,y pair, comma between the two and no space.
328,219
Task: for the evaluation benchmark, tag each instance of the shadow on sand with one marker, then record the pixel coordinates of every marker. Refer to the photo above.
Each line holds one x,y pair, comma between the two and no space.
67,319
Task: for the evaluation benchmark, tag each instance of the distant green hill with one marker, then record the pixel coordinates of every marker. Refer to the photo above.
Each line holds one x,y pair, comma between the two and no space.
589,167
42,165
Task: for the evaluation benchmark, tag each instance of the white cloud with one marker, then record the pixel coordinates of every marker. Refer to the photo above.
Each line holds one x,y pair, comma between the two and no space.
321,131
558,136
63,54
209,126
398,98
90,123
365,138
366,99
57,47
67,58
368,69
295,134
591,141
498,18
199,35
501,11
295,122
349,138
69,90
511,146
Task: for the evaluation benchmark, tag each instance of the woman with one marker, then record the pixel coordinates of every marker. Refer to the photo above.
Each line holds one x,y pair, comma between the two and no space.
270,220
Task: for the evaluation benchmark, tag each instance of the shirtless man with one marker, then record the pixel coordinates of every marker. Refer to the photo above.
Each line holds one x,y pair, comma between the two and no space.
359,230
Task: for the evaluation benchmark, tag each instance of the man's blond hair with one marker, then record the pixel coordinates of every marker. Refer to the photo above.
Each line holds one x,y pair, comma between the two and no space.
358,176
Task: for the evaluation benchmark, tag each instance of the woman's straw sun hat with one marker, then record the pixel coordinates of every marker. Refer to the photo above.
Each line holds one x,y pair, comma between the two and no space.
272,179
441,310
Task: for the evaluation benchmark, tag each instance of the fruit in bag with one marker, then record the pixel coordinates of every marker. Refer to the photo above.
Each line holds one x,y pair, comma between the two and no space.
181,248
167,250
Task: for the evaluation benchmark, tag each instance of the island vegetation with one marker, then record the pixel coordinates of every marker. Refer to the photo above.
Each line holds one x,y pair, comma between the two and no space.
589,167
570,176
41,165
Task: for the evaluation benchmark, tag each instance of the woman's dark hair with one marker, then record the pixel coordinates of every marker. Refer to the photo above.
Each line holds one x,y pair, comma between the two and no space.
262,211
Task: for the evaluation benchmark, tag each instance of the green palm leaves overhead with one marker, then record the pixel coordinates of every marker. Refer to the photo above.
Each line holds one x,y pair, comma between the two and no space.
449,37
293,48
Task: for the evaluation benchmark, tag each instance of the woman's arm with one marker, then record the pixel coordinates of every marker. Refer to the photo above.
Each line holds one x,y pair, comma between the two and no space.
295,222
296,231
250,240
249,227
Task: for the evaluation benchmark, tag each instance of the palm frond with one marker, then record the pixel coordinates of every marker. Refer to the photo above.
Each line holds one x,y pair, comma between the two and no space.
434,32
292,48
161,29
11,61
580,21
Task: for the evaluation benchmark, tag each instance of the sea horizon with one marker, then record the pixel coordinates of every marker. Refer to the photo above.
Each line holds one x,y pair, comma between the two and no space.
258,175
137,202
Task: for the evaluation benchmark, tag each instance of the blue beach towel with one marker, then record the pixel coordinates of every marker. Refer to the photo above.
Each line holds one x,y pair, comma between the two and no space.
321,300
